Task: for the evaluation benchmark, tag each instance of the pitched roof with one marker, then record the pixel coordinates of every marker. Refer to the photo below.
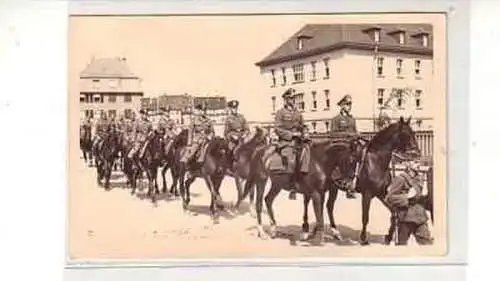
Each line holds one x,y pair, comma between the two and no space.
321,38
107,68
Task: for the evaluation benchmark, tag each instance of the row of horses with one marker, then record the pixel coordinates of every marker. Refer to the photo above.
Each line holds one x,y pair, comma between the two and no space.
251,173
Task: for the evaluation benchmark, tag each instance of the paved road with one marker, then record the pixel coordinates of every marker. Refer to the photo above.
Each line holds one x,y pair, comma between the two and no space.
115,225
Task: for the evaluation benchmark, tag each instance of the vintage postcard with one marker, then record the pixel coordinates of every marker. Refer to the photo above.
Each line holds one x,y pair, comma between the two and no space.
257,136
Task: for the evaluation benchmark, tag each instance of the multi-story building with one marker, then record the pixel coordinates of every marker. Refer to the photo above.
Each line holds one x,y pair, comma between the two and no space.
107,84
385,67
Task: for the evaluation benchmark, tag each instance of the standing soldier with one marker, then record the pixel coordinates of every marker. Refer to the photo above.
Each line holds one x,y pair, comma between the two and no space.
343,127
143,130
236,126
102,128
289,125
201,131
403,196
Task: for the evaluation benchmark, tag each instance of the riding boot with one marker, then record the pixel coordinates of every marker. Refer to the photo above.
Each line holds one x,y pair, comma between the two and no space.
350,191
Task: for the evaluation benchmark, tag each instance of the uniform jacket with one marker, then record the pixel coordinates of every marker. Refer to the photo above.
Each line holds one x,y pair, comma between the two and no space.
143,127
236,125
102,127
288,121
342,126
201,127
165,125
409,210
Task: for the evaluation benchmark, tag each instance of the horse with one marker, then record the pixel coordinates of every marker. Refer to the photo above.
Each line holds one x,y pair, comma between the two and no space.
312,184
213,168
331,156
150,162
86,143
374,175
171,156
105,157
242,156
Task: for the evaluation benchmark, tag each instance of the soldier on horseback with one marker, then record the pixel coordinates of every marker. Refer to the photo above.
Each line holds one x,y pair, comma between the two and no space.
102,129
143,131
236,127
343,129
166,128
201,131
290,130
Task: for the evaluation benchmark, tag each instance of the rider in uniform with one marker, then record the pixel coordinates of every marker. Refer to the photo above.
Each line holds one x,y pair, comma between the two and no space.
289,125
143,130
201,131
404,195
343,128
236,127
102,128
166,128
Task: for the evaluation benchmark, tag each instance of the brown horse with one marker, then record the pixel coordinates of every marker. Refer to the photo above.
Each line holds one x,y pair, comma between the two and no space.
105,156
216,162
150,162
171,156
86,143
312,184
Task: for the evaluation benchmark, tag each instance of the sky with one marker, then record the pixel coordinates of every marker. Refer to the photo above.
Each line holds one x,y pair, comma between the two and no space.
200,55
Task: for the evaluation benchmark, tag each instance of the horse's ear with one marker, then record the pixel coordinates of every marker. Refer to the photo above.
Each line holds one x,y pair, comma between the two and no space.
401,120
408,121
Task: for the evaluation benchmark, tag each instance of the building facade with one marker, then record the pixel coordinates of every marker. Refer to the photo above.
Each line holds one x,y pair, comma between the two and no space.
387,69
108,85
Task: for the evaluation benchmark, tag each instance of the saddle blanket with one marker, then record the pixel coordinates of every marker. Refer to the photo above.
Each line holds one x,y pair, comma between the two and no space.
281,163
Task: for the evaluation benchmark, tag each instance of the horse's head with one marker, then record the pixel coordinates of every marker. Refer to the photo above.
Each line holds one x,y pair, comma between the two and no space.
156,146
405,140
181,139
219,150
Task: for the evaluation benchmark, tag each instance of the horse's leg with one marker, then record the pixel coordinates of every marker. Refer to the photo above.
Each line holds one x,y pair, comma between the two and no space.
318,200
305,218
155,177
260,188
365,217
330,205
271,195
107,174
175,181
182,186
217,182
163,177
237,181
214,211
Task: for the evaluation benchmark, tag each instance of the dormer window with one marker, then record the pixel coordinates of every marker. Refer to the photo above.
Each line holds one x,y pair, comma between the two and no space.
425,40
376,35
373,32
401,38
300,43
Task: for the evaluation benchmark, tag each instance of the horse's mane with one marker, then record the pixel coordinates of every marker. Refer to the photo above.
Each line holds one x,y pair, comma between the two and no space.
383,136
181,138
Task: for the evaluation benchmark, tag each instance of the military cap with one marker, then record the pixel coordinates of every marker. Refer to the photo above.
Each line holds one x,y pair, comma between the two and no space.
345,100
288,93
233,104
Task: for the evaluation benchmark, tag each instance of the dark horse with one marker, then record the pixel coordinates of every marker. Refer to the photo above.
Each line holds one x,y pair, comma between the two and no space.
105,157
171,156
312,184
212,170
240,169
374,176
149,163
86,143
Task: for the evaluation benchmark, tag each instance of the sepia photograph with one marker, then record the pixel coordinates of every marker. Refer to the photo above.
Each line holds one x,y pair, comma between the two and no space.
257,136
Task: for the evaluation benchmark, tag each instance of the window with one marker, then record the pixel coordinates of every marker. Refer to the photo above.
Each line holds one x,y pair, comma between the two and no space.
97,99
273,99
399,96
273,77
298,72
82,98
327,99
315,102
418,99
425,40
399,66
327,126
299,101
89,113
380,66
95,80
376,35
380,97
313,70
417,67
327,67
300,43
283,73
113,83
112,98
128,113
127,98
402,38
112,113
314,126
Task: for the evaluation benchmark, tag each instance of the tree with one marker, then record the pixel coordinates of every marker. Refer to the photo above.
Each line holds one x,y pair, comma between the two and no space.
396,99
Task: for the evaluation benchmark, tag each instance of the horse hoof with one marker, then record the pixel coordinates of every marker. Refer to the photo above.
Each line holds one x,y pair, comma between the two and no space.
364,243
304,236
387,239
273,233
